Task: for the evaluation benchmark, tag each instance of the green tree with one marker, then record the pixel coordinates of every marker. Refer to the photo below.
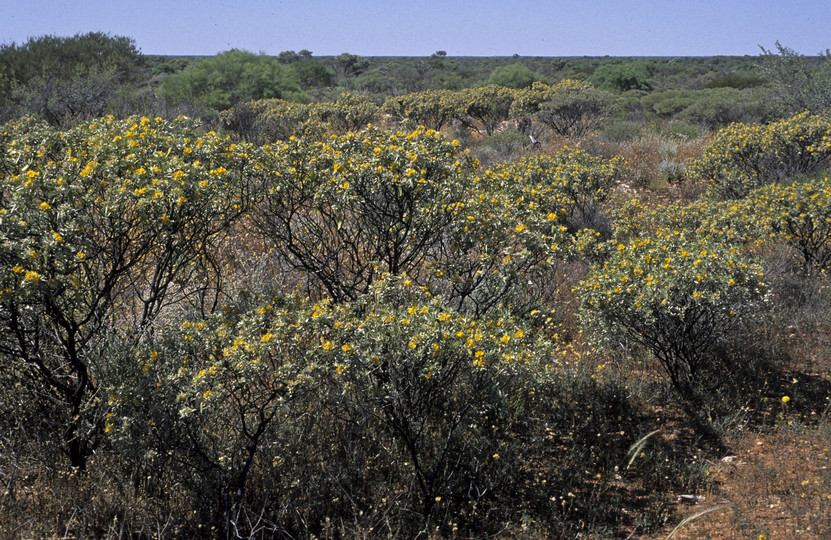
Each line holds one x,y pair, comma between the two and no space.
59,78
222,81
800,83
516,75
288,57
621,77
312,73
350,65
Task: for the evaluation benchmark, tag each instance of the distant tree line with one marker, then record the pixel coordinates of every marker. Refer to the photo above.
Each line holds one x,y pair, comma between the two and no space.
67,79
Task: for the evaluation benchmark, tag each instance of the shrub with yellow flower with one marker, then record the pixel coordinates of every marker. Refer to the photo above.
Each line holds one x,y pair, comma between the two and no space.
677,294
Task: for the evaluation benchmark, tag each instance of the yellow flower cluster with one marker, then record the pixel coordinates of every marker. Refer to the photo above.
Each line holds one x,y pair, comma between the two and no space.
743,157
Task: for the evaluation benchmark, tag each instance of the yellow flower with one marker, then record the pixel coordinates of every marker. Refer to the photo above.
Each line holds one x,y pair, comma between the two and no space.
785,399
519,228
346,347
31,275
45,206
328,345
266,337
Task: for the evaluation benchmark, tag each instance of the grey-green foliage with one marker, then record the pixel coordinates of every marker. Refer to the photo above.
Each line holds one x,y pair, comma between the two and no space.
799,83
740,81
711,108
350,65
664,105
621,77
62,101
221,81
516,75
312,73
715,108
66,78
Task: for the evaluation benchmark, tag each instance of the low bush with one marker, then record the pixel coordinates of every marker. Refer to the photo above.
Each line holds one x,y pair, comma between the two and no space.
677,294
743,157
569,108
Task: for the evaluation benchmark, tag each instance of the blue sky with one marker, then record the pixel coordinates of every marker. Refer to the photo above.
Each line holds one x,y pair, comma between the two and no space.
418,28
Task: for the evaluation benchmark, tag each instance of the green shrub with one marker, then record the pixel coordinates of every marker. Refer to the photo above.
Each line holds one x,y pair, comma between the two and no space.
718,107
678,295
621,77
743,157
487,107
101,227
740,81
516,76
506,142
569,108
799,83
344,211
621,130
269,120
664,105
432,108
683,131
349,112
